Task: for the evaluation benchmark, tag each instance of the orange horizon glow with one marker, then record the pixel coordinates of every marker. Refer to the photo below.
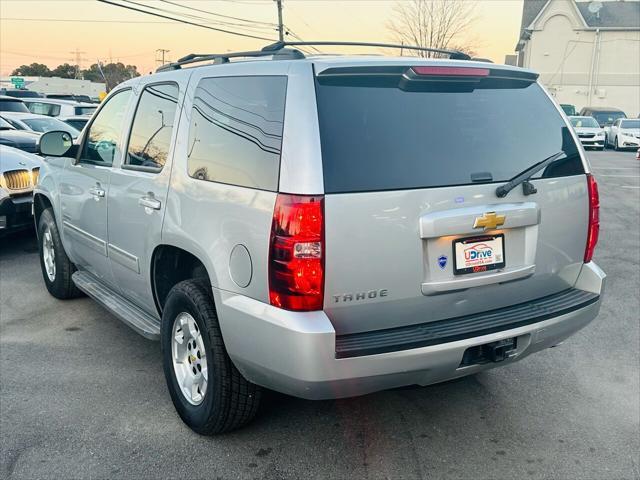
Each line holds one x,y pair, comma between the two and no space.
30,30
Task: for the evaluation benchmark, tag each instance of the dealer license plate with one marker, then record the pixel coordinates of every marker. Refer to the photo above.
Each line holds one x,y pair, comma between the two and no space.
478,254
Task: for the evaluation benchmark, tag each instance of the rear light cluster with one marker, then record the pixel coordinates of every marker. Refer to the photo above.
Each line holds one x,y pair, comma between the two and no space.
594,218
296,253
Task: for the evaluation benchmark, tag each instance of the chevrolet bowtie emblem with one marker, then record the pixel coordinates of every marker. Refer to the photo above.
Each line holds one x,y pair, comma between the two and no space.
489,221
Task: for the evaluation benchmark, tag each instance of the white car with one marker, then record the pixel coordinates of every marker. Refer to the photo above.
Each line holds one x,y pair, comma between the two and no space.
591,134
53,107
19,173
38,123
624,133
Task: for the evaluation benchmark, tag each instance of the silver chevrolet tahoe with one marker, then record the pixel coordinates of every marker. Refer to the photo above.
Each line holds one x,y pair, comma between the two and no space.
324,226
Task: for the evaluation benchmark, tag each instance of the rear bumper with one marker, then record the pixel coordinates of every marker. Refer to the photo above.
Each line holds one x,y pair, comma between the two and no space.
295,353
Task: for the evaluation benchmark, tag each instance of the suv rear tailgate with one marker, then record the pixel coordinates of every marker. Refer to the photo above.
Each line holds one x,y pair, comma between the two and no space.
411,166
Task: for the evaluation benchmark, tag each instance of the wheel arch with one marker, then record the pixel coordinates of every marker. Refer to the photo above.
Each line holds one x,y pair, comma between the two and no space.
40,203
169,266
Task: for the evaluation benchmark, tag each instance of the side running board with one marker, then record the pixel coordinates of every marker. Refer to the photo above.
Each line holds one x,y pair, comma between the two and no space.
143,323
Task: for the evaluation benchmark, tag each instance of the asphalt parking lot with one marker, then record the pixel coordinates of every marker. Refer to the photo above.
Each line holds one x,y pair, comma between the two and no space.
83,396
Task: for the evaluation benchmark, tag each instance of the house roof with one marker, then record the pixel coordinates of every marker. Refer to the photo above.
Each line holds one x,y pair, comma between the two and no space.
530,10
613,14
618,14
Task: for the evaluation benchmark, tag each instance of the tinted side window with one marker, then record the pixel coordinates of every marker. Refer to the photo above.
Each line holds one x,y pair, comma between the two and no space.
152,126
103,141
235,134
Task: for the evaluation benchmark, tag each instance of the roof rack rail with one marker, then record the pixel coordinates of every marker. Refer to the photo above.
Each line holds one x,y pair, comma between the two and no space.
279,54
279,51
453,54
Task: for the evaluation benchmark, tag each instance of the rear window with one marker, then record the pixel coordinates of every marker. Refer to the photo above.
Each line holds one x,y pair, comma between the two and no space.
42,108
380,137
13,106
607,118
85,110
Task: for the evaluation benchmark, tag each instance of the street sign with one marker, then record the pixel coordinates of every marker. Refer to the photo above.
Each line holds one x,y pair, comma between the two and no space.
18,82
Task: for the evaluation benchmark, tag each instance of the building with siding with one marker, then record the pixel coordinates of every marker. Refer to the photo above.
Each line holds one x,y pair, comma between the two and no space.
587,52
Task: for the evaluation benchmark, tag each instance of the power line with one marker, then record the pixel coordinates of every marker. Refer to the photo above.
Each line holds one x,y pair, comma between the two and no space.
162,51
246,26
230,32
217,14
252,29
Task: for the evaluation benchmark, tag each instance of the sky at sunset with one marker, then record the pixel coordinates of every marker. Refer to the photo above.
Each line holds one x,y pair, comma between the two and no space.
48,31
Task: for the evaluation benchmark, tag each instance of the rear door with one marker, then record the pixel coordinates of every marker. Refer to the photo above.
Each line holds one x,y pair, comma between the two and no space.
138,191
415,231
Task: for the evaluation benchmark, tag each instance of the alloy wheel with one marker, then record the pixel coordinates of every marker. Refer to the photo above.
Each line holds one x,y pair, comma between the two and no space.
189,358
49,255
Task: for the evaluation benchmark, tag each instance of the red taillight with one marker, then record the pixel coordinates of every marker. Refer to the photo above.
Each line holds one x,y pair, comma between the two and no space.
594,218
452,71
296,253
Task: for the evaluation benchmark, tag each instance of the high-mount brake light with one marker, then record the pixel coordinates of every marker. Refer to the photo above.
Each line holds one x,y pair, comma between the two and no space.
594,218
296,253
451,71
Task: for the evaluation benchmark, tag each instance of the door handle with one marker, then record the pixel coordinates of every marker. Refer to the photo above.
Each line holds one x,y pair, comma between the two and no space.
150,202
96,191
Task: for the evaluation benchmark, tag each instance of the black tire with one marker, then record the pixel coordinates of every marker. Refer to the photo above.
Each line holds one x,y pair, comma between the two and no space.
230,401
615,144
60,286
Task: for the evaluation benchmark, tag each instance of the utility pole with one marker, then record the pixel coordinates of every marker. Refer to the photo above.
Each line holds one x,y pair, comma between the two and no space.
161,51
77,59
280,25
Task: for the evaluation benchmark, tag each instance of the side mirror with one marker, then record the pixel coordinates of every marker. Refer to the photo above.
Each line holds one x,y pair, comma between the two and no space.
55,144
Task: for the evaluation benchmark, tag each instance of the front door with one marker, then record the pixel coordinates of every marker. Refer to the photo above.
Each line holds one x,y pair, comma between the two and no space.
138,191
84,188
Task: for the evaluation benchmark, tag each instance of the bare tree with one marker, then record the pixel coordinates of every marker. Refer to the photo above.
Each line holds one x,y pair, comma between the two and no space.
433,24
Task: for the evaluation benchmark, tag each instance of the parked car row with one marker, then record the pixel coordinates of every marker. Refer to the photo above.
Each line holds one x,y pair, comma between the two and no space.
23,119
602,127
24,93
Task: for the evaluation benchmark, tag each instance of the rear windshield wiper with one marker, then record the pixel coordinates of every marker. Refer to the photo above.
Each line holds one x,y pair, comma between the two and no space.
526,174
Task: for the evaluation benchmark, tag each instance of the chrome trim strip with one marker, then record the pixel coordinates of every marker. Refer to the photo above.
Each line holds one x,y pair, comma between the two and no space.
460,221
85,237
124,258
434,288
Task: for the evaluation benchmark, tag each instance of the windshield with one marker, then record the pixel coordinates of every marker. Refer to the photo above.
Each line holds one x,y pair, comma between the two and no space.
4,125
586,122
43,125
607,118
85,110
630,124
384,138
13,106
